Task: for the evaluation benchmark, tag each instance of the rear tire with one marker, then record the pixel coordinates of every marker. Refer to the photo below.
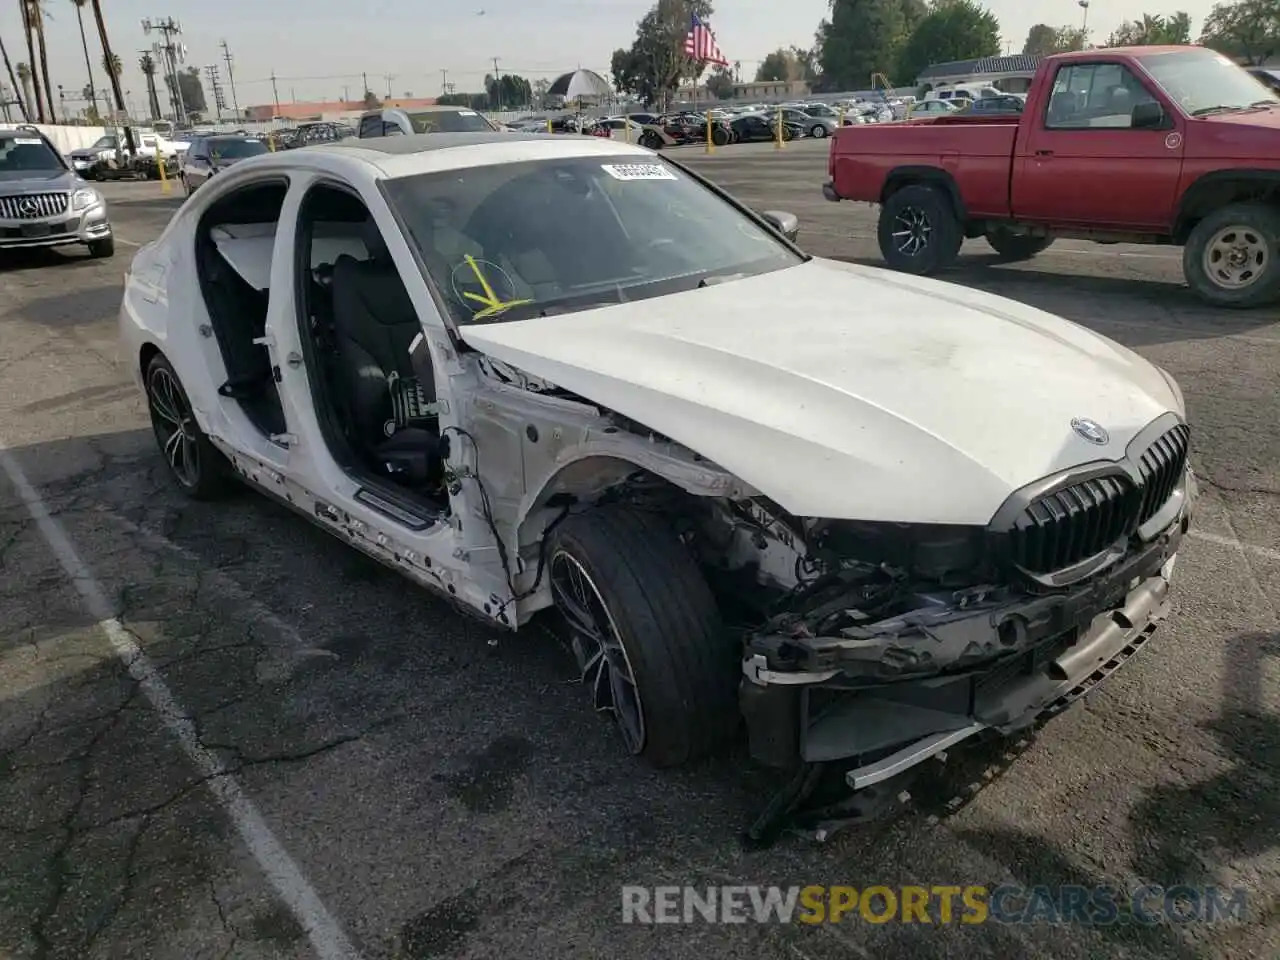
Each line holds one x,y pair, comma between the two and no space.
644,590
719,137
102,249
1014,246
919,231
1232,258
650,140
198,468
819,131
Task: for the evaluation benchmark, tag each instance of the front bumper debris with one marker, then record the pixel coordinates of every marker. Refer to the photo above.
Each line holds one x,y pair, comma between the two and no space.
891,695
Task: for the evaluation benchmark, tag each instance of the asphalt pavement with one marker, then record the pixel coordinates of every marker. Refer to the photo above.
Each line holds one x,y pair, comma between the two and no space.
405,783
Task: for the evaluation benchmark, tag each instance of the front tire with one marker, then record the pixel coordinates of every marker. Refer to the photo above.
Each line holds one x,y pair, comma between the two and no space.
1232,258
1016,246
919,231
819,131
646,633
650,140
196,465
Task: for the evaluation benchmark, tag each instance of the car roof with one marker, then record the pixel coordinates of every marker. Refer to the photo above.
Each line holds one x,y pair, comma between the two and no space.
430,142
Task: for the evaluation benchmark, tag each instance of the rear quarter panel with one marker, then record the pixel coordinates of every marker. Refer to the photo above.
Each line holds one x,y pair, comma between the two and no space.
976,151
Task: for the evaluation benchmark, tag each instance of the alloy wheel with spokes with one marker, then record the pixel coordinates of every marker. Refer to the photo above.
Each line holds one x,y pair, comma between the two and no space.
194,463
172,421
651,647
605,668
912,231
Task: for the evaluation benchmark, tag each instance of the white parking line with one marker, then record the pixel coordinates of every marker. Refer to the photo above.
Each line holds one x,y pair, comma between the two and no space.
323,930
127,243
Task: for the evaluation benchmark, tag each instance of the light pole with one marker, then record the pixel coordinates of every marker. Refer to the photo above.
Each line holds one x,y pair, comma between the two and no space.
1084,25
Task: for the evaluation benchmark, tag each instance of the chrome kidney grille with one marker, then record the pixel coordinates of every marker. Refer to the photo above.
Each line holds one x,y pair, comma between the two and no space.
1078,522
34,206
1162,465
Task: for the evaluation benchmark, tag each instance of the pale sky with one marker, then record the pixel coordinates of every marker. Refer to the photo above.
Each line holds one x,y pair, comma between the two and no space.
319,48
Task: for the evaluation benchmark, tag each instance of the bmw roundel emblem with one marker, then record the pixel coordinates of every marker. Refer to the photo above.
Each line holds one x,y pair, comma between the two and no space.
1090,430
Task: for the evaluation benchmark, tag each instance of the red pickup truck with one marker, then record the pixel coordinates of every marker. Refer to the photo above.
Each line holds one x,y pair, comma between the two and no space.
1165,145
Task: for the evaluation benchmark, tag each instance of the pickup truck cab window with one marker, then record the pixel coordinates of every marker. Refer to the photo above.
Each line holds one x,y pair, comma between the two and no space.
1094,95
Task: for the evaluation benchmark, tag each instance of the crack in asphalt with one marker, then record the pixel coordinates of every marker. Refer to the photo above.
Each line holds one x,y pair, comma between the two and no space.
59,868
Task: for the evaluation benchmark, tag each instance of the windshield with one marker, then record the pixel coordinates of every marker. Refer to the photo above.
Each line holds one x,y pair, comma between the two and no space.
512,241
236,149
19,154
449,121
104,143
1204,82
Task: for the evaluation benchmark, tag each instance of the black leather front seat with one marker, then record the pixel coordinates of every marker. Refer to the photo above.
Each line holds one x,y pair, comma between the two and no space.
374,325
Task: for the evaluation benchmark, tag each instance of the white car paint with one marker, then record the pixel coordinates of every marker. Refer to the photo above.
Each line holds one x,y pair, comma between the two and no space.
836,390
851,392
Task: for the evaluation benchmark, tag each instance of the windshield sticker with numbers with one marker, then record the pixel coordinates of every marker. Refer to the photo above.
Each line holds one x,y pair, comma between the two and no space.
638,171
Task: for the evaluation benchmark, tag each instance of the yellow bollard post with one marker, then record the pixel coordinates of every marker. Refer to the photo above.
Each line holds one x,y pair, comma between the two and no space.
549,130
162,162
271,141
626,128
840,116
777,137
711,146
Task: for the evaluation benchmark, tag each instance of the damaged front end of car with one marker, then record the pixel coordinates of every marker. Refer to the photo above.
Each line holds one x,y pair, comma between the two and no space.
899,641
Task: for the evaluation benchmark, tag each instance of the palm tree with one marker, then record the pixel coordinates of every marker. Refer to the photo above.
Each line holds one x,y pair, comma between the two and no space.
113,77
84,44
36,19
147,64
111,63
13,81
33,88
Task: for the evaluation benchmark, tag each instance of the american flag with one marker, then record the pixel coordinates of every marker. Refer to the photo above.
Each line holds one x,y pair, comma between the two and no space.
700,44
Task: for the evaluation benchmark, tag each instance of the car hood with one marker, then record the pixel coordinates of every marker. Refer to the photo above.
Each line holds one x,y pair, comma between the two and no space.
36,181
851,392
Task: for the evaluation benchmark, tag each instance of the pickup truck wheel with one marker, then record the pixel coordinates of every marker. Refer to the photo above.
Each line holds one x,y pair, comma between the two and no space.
919,232
646,633
1232,258
1014,246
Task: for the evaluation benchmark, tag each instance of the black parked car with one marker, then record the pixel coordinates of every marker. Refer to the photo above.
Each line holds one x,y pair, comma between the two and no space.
209,155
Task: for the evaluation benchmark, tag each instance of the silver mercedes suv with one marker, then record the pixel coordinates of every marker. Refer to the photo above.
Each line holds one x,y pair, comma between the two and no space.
43,202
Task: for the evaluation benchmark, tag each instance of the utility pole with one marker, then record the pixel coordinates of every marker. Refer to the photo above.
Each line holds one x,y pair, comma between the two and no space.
215,85
364,81
444,82
172,54
497,83
389,77
275,93
231,77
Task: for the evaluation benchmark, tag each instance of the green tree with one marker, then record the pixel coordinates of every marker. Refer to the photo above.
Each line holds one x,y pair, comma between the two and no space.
475,101
793,63
511,91
1249,29
1044,40
864,37
951,30
720,83
1152,30
655,64
190,89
